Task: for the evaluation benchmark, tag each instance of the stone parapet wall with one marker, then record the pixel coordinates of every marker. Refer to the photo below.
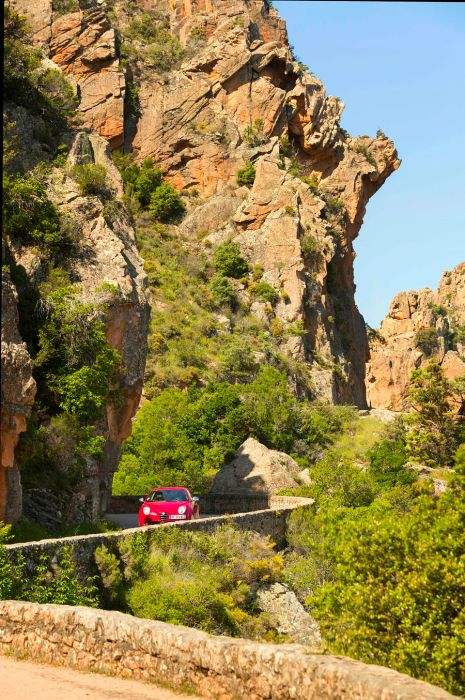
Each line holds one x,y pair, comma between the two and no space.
218,504
121,645
272,522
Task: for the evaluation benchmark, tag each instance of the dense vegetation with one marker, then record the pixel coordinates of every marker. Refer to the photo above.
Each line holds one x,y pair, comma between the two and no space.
202,580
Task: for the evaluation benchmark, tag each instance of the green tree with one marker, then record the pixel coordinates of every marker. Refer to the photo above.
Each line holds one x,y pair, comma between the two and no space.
273,410
165,202
432,437
222,291
396,592
228,260
182,437
146,182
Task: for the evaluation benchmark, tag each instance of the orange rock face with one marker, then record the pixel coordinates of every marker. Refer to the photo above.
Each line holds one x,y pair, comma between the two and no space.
82,44
398,348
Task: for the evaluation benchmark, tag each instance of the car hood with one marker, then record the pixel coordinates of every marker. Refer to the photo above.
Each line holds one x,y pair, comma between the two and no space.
166,506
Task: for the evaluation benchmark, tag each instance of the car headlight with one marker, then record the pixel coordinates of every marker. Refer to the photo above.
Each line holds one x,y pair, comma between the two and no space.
146,510
181,510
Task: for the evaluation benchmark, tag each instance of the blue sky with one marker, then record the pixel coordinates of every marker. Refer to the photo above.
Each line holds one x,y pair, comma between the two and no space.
399,67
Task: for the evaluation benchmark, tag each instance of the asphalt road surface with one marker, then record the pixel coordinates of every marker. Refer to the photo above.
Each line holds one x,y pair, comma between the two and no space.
23,679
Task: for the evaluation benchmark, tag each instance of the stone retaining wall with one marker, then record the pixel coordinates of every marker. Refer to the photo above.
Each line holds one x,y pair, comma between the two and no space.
121,645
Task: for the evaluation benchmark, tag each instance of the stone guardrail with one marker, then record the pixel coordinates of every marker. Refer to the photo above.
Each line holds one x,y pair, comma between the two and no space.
272,521
213,504
121,645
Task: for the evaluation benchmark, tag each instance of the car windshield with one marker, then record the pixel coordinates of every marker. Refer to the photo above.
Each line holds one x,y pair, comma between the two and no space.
168,495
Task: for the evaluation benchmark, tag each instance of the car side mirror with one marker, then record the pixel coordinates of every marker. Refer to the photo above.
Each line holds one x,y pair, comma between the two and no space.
141,500
195,498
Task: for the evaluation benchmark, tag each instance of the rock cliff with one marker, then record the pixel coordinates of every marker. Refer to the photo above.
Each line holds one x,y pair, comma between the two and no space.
419,326
206,88
18,393
231,91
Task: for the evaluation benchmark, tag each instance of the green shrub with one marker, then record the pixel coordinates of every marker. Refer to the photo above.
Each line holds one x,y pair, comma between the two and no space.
91,178
63,7
238,361
148,179
365,152
59,584
166,55
290,211
387,459
228,261
309,245
266,292
53,85
427,340
165,202
161,49
131,100
333,205
145,28
312,182
29,215
222,291
246,175
74,356
285,147
380,571
253,134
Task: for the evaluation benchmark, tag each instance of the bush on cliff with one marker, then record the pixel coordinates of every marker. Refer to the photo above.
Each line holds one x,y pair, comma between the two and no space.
29,215
228,261
91,178
165,202
246,175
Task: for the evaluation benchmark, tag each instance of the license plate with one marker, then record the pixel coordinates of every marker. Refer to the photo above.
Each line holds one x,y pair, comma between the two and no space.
177,517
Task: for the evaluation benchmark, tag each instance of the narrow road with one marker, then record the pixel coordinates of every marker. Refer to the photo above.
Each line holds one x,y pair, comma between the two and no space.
23,679
128,520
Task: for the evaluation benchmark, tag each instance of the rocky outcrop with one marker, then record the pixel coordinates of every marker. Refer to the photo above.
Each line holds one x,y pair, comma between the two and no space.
254,469
419,326
83,44
288,615
18,393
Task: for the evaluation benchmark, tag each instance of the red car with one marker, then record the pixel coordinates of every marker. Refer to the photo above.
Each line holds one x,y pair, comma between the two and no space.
168,504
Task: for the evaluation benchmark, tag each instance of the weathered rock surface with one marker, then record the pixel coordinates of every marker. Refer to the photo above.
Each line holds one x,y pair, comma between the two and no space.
288,615
396,349
18,393
255,468
82,44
